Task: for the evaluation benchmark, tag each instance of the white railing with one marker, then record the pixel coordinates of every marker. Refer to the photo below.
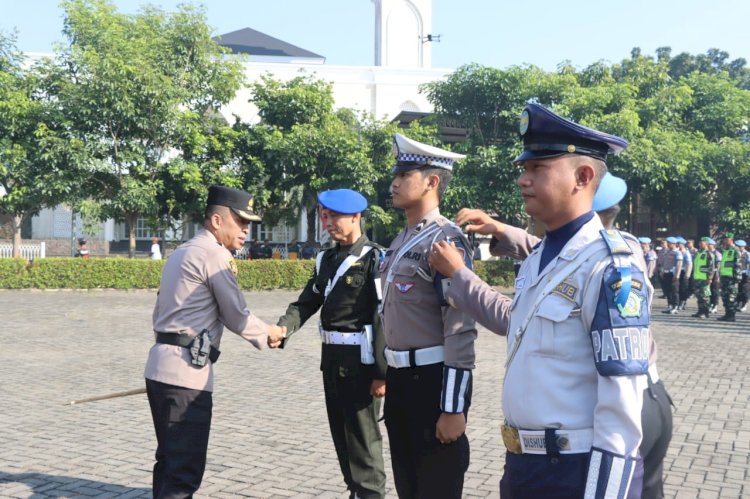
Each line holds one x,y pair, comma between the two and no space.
29,251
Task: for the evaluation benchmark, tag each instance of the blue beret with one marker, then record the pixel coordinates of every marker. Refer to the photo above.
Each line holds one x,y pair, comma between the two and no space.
740,242
711,241
344,201
610,192
645,240
672,240
546,135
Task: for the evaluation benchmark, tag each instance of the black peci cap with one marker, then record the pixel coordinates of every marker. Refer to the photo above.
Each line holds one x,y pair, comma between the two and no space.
237,200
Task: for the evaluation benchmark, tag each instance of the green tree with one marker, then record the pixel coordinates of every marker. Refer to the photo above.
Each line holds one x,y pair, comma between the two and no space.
39,158
303,146
135,82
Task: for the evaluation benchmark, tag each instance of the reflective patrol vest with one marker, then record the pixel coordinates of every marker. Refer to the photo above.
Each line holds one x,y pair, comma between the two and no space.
700,266
728,261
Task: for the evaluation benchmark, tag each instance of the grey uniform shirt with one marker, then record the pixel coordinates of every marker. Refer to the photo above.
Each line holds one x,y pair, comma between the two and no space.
413,317
198,291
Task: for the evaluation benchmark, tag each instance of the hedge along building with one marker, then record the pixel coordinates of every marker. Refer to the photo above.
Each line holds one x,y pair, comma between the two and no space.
389,89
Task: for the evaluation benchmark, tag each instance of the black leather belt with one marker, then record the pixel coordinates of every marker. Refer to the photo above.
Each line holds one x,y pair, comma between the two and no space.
185,341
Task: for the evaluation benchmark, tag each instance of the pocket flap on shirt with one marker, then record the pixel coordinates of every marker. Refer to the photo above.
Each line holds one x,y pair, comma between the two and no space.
555,308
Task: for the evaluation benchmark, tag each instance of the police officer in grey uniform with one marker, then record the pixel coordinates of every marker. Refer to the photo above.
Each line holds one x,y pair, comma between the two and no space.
430,345
197,298
578,326
345,287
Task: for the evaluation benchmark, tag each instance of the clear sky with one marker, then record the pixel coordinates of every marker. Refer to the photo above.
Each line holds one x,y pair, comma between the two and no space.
496,33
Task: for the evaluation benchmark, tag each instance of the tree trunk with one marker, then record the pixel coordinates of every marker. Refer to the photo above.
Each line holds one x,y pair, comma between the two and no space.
132,220
17,222
312,215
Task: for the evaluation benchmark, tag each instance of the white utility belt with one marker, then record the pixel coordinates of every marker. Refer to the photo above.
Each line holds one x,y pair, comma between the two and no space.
414,358
339,338
534,442
363,339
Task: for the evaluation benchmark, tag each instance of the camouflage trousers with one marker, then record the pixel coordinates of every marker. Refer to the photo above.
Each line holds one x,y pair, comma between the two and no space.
703,295
729,289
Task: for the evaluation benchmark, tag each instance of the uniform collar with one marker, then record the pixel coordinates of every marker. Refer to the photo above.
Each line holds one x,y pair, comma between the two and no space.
427,219
355,248
582,235
205,233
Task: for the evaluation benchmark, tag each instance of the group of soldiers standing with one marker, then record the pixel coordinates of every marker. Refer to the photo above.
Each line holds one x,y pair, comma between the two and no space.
707,271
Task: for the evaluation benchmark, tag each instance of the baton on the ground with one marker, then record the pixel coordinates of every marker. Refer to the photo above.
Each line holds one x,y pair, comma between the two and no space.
126,393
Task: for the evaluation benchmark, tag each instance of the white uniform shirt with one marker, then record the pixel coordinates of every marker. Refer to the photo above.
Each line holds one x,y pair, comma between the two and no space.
553,381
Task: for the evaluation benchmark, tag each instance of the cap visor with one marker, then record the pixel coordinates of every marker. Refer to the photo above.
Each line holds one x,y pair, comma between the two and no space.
247,215
530,155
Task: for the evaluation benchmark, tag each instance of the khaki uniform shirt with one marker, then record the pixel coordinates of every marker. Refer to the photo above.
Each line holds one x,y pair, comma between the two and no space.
198,291
413,316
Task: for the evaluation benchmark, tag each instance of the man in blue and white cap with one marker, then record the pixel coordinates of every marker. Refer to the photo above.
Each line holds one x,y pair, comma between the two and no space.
685,272
650,255
430,345
573,413
345,288
671,275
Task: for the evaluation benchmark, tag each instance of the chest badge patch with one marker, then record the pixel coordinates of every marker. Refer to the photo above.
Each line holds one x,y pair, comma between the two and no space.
633,307
404,287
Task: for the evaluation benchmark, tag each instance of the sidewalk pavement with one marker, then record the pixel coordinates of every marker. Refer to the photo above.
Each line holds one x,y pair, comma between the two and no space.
270,436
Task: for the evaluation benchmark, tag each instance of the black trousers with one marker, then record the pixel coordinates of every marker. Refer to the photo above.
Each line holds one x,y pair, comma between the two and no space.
685,291
182,420
353,418
422,466
656,420
671,289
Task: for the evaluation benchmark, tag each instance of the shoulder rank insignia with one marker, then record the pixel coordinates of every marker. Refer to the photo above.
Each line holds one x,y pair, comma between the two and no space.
233,266
615,242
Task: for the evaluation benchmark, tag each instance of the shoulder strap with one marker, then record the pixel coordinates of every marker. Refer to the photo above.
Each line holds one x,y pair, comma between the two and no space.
619,250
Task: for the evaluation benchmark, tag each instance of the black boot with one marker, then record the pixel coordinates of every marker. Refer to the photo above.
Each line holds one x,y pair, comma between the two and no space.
727,318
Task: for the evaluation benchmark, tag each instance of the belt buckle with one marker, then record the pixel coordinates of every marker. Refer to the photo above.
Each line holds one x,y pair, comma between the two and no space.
511,439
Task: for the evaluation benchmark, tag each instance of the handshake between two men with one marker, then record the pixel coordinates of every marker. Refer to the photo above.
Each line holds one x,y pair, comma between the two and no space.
276,335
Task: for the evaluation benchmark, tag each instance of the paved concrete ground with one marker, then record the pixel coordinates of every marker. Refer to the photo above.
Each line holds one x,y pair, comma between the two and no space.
270,436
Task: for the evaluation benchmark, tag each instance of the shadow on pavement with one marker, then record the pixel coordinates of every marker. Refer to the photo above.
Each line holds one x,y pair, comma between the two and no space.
44,485
683,319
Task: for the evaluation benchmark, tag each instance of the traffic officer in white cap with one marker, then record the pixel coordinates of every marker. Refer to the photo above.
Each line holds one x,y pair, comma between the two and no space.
430,345
578,326
197,298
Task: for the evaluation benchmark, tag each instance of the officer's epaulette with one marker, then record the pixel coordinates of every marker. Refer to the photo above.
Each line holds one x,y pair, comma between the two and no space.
615,242
618,248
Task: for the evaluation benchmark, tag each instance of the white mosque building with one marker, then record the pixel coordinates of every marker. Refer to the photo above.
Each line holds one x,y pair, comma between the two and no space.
389,89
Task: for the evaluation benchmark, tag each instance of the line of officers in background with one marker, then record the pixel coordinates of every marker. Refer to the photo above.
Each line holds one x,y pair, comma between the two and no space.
707,271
